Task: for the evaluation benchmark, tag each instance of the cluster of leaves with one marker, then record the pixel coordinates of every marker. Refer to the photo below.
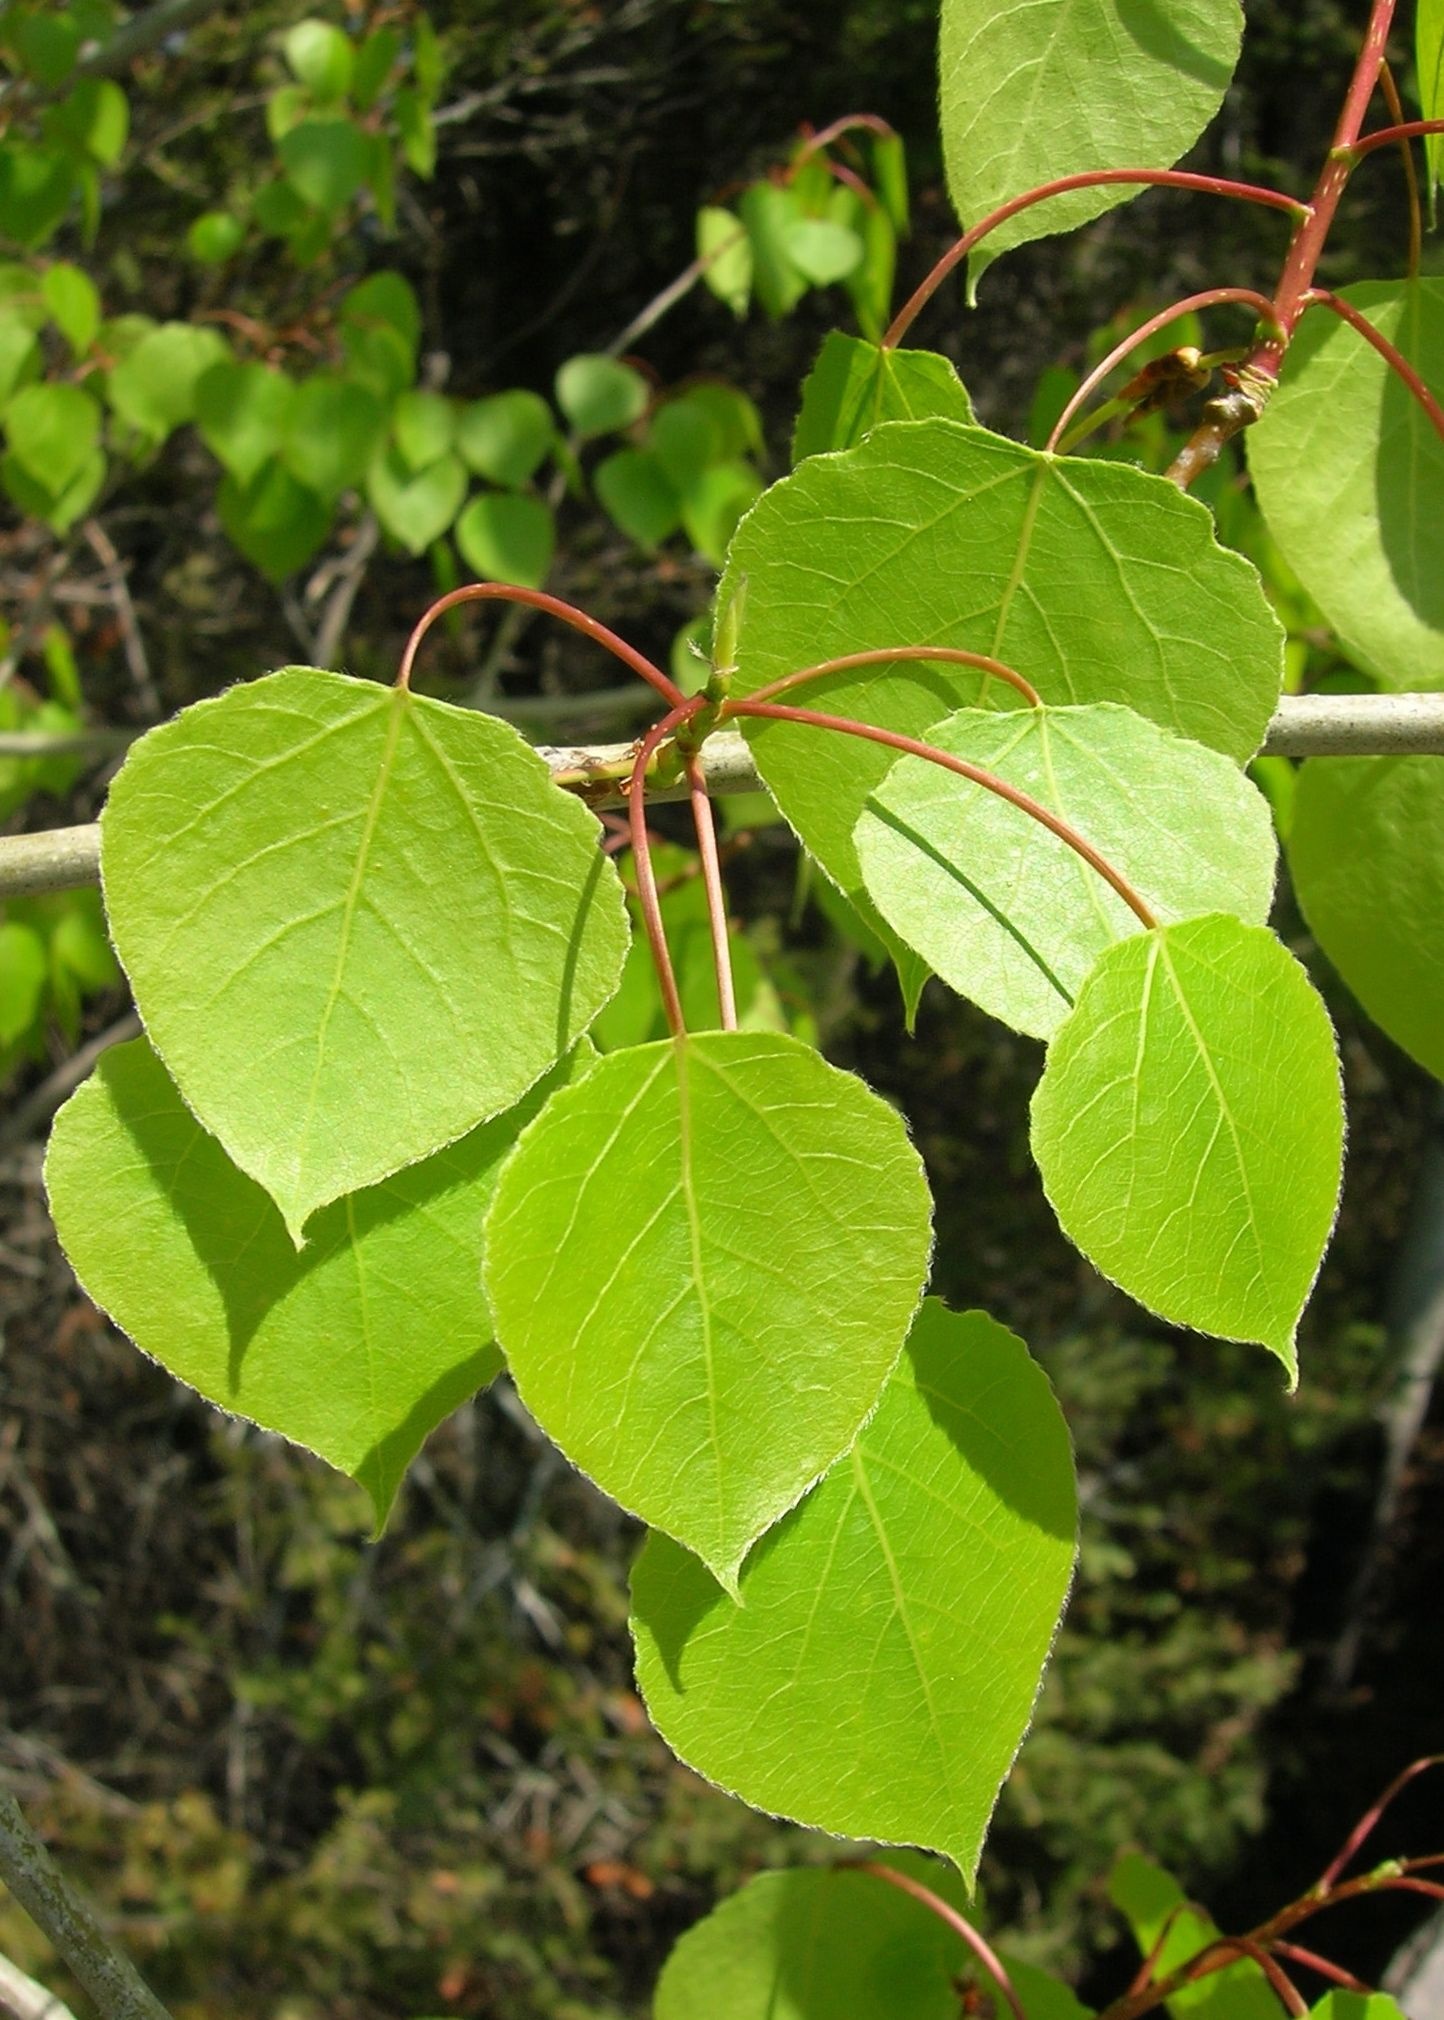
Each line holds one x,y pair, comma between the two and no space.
82,127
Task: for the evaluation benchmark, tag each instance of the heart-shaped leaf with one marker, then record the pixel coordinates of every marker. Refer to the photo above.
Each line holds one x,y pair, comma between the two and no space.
357,922
416,509
53,431
737,1323
506,436
356,1348
508,537
856,386
1004,910
275,521
893,1628
1189,1128
241,413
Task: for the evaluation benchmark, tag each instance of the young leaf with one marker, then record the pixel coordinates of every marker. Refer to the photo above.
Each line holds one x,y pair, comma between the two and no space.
1367,854
154,386
331,431
416,509
23,969
895,1625
828,1943
723,242
53,431
214,237
276,522
1167,1928
931,533
321,57
600,395
639,496
1030,92
713,505
325,162
1349,473
736,1324
1429,51
59,508
507,538
74,303
505,437
1189,1129
854,386
1002,909
356,1348
424,426
357,922
769,212
825,252
241,413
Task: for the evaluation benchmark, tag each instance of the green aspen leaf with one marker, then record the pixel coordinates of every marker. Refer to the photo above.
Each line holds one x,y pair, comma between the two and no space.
1095,580
374,62
241,412
1030,92
769,211
154,386
416,509
215,237
736,1324
890,177
825,252
321,57
278,209
423,427
47,45
274,520
1342,2005
285,109
508,538
356,1348
714,504
325,162
418,133
505,437
428,59
639,496
870,285
1007,913
600,395
818,1943
20,359
36,185
23,970
1366,850
383,301
1189,1129
855,385
685,440
331,431
1429,52
53,431
723,242
74,304
377,924
1349,473
895,1625
732,414
1158,1914
58,508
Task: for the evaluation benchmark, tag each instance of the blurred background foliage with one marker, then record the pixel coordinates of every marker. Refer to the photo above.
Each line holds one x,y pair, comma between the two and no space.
311,1776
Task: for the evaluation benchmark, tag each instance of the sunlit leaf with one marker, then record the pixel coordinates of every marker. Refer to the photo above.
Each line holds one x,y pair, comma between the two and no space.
854,386
154,386
331,430
723,242
1171,1931
506,436
275,521
599,395
1189,1128
880,1671
416,508
507,538
736,1324
53,431
357,922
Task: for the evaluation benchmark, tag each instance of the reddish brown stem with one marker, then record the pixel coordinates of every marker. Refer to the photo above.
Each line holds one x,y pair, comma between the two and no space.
648,896
712,884
1167,178
1192,304
1219,1957
959,1924
851,122
1146,1969
990,781
1404,1885
1394,359
1312,1961
945,655
554,606
1385,136
1411,175
1368,1823
840,172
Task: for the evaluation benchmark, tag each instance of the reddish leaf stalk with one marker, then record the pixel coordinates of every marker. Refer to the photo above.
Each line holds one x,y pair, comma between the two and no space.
1326,1968
1190,305
1411,175
712,884
554,606
647,894
1385,136
840,172
1167,178
1221,1954
945,655
1393,358
1144,1974
959,1924
851,122
912,747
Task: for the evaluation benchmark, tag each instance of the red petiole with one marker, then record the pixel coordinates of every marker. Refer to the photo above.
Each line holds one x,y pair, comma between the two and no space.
943,655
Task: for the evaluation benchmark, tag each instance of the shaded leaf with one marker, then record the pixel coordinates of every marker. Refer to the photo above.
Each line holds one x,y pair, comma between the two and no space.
1189,1128
599,395
331,430
769,212
215,237
416,509
378,923
1349,473
241,412
895,1625
1006,912
325,162
737,1323
723,242
506,436
1367,854
424,427
1429,52
855,385
274,520
508,538
639,496
1152,1903
74,302
53,431
154,385
822,251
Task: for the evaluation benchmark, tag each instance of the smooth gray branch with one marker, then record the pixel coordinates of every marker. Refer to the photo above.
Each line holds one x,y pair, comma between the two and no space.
72,1925
1306,725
